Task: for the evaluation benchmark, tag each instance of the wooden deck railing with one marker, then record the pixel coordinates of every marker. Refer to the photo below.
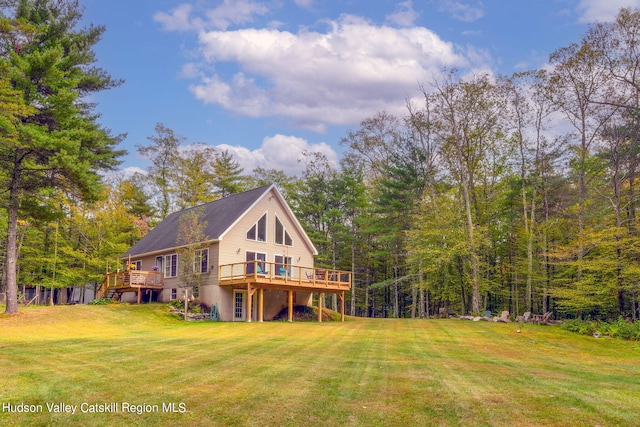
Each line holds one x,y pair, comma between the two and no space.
265,273
129,280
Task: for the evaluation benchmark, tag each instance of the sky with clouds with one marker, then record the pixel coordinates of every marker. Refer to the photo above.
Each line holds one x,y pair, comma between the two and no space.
269,79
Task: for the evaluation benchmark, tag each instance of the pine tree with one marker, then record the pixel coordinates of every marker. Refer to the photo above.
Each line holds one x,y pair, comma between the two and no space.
57,143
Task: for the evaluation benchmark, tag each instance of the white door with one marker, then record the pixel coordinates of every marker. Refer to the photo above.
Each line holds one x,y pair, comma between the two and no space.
239,305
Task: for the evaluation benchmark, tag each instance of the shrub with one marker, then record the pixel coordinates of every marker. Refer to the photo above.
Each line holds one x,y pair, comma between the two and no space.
177,304
622,329
617,329
103,301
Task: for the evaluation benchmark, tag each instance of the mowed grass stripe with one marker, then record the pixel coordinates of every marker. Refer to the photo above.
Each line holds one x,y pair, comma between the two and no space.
360,372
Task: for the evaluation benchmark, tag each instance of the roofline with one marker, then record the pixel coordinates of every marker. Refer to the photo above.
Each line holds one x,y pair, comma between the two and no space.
165,250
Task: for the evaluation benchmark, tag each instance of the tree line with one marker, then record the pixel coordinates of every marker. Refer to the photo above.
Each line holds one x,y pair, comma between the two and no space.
489,192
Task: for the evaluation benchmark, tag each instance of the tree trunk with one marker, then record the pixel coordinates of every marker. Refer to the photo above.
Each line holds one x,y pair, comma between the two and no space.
353,280
396,305
11,261
366,302
618,237
186,302
475,289
414,300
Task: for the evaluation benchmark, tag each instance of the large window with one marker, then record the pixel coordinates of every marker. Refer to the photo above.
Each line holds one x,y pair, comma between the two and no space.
282,235
283,265
171,265
256,256
259,230
201,261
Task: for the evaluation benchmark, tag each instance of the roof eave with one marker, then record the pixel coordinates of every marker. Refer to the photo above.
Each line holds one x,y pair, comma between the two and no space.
165,250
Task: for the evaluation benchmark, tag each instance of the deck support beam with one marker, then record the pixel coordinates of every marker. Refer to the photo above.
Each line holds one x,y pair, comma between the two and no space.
341,295
290,304
260,305
249,306
320,304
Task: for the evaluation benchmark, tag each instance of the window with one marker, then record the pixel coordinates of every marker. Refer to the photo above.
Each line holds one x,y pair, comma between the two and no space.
158,264
282,236
201,261
283,265
136,265
256,256
259,230
174,293
171,265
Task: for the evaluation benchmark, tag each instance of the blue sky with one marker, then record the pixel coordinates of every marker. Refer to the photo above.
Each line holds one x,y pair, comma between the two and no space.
268,79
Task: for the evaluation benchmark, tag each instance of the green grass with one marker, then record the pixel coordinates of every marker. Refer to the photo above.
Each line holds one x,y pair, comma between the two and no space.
363,372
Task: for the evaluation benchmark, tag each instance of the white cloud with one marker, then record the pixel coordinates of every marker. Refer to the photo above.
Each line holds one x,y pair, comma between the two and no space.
281,152
235,12
190,70
306,4
603,10
113,177
462,10
405,16
177,20
340,76
229,12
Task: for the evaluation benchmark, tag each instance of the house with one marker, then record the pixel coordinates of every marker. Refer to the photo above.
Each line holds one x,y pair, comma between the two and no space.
255,260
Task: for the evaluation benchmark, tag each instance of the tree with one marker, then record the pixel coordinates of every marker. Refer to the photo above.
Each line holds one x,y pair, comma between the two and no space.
193,175
530,107
163,154
55,143
135,198
467,117
373,143
192,242
578,80
616,43
227,177
286,184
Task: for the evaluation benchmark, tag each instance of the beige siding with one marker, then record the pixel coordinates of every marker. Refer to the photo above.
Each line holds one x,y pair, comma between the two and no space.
234,245
210,278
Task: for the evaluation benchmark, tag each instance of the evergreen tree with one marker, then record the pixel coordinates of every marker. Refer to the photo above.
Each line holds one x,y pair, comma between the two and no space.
228,178
54,141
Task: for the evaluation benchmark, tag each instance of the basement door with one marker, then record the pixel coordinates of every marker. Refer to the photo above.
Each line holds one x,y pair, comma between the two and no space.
239,306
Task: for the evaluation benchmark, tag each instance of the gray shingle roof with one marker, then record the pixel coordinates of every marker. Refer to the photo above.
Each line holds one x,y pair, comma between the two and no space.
219,214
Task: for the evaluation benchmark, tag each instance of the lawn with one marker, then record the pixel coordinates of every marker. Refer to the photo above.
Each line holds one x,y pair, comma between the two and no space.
139,365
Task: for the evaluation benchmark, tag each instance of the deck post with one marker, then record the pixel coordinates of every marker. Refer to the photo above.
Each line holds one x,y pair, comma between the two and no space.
249,307
233,305
261,305
341,294
290,304
320,304
139,294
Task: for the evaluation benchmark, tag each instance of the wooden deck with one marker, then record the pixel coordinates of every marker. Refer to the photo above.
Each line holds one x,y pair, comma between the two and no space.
260,275
279,276
130,281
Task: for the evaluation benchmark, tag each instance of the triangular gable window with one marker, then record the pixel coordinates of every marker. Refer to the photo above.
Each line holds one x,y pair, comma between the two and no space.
259,230
282,235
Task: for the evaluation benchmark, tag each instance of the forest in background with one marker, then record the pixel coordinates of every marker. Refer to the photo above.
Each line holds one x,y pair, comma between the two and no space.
514,193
